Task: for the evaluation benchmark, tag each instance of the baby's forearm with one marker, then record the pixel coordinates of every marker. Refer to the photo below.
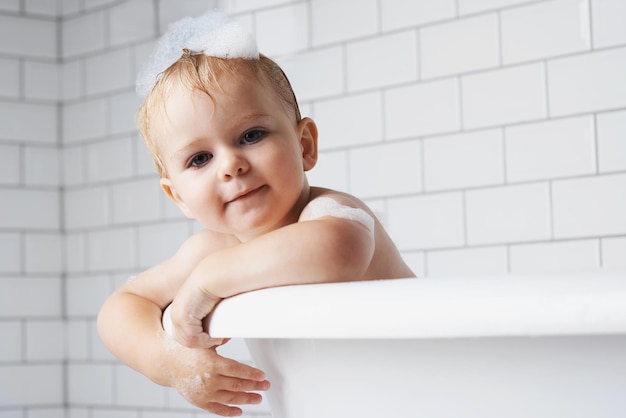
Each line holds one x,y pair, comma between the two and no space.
306,252
130,327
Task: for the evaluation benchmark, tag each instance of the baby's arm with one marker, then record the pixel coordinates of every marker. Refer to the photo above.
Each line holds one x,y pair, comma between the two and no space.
317,250
129,324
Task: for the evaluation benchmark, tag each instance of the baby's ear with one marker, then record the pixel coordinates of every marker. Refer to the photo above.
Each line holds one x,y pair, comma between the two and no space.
308,142
168,189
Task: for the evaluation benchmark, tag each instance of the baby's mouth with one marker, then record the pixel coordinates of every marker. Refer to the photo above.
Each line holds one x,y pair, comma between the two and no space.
245,194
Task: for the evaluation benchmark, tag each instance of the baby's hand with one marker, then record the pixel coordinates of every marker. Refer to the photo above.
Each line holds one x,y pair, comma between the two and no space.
212,382
188,310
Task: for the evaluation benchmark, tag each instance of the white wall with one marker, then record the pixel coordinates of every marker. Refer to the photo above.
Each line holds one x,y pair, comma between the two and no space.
489,136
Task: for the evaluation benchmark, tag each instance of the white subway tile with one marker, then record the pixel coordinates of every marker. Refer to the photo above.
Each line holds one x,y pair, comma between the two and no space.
397,14
504,96
283,30
555,257
43,253
28,37
110,160
41,166
87,207
73,162
399,65
169,209
82,34
108,71
463,160
473,6
159,242
558,27
29,209
123,112
613,253
77,337
10,252
31,385
10,5
85,295
166,414
464,262
112,249
553,149
331,23
71,76
11,347
115,413
144,164
349,120
91,4
587,83
387,169
608,22
589,206
143,51
131,21
612,141
135,201
9,77
10,164
315,74
331,171
134,389
459,46
170,11
84,120
42,7
90,384
422,109
246,5
416,260
70,6
28,122
45,340
41,80
29,297
508,214
429,221
75,252
51,412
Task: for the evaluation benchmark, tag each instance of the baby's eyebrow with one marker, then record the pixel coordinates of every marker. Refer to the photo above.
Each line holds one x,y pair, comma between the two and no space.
176,155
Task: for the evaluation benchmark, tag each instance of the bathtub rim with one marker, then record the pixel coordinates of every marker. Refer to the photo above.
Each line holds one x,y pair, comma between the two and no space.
454,307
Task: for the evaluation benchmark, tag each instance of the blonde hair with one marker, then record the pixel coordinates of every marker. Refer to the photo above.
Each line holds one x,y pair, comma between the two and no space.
203,73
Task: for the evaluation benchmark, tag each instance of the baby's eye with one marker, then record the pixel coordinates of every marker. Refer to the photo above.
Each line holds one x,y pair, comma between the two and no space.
252,137
200,160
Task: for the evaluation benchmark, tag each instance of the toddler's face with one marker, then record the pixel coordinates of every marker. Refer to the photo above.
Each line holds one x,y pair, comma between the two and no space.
235,160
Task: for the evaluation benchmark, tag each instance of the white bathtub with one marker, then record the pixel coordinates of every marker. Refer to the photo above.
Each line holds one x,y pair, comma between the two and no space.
501,347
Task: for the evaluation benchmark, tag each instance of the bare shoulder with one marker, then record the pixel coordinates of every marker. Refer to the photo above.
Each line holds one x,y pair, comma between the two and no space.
386,261
339,197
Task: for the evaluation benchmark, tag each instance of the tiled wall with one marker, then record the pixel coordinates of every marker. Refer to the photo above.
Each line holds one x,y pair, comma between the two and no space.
488,135
32,344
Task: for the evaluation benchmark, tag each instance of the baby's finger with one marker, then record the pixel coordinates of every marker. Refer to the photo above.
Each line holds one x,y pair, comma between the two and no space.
231,368
238,398
235,385
223,410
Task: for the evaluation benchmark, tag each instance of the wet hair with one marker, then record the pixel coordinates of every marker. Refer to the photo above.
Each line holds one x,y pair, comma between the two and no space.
203,73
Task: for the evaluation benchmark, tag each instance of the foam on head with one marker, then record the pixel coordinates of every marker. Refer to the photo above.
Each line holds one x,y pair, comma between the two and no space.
212,34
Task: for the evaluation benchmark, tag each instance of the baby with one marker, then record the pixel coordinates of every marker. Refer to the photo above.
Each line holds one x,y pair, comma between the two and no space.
224,129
